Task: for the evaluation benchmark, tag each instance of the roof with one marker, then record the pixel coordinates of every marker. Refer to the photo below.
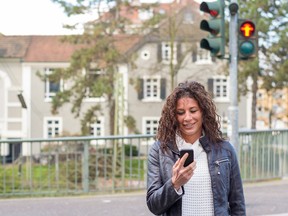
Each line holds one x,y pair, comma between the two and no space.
13,46
35,48
50,48
126,42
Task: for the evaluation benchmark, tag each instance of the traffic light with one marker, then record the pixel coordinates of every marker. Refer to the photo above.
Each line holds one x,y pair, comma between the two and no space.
215,41
247,43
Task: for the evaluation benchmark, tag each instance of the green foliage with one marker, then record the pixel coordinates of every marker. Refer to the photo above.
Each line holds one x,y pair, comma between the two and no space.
131,150
154,21
67,174
135,168
98,50
271,22
100,166
63,97
270,18
130,122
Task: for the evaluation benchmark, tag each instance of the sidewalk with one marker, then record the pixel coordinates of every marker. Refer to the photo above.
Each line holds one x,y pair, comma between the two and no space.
267,198
285,214
262,199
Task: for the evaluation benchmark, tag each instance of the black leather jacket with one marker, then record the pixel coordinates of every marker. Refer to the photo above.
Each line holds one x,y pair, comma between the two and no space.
226,181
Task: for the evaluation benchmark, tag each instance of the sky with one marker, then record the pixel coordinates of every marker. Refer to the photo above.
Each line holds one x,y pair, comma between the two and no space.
33,17
37,17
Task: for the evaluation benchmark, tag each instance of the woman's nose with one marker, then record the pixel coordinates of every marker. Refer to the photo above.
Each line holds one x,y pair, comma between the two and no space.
187,117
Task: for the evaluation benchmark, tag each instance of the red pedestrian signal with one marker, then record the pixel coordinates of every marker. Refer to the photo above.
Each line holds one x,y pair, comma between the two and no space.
247,29
247,43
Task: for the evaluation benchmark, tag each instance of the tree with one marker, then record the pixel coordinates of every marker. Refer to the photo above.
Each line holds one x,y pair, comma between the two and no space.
176,29
93,70
99,56
94,67
270,18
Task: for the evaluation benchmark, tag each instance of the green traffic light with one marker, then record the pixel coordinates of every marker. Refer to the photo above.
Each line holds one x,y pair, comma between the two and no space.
212,26
211,44
246,48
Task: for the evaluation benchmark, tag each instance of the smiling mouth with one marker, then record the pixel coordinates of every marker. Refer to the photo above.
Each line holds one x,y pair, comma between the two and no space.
188,126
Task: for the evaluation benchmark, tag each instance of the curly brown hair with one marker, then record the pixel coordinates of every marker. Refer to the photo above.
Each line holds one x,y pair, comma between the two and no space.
168,125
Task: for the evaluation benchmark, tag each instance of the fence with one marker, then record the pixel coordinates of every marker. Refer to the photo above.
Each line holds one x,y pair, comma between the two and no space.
263,154
74,165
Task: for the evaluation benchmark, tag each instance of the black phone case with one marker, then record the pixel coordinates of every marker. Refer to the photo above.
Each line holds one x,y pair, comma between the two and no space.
190,158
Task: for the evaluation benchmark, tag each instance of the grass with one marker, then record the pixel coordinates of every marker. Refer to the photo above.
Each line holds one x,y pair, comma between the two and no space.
67,176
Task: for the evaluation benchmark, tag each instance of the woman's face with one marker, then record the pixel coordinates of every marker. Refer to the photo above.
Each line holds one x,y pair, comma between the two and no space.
189,118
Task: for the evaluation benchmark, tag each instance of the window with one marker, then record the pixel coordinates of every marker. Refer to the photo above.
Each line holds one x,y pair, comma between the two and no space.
167,53
188,17
51,87
52,127
219,87
145,54
97,129
259,95
150,125
202,56
145,14
92,77
277,95
224,122
152,88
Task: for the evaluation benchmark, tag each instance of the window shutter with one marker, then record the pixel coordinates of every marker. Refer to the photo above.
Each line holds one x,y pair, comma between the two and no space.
194,55
141,89
179,52
163,89
210,87
159,52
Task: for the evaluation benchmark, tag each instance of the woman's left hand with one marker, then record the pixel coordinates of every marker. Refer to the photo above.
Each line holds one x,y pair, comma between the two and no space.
180,174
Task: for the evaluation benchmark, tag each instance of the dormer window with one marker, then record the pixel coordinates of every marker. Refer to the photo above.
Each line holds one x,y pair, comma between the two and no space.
188,17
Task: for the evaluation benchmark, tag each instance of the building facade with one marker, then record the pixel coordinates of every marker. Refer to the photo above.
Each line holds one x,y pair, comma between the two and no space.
141,90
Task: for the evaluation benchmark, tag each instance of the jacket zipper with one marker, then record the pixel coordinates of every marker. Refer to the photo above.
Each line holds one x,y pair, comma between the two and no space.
221,161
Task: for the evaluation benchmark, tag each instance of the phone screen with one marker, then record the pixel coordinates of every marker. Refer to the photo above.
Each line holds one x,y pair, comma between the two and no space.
190,158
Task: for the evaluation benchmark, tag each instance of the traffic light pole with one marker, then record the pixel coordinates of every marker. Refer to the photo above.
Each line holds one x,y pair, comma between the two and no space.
233,46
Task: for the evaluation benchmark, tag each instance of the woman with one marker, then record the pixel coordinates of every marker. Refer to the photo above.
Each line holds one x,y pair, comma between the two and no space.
189,121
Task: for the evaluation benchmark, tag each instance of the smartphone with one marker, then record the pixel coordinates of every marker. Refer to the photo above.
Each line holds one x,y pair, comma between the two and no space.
190,158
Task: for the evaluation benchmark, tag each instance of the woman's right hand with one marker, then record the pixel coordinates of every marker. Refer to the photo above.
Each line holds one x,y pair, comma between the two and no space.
180,174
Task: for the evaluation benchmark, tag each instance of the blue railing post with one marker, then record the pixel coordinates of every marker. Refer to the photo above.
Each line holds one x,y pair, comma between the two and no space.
85,167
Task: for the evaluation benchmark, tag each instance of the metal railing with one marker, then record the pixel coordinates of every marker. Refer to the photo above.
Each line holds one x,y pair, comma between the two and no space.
74,165
263,154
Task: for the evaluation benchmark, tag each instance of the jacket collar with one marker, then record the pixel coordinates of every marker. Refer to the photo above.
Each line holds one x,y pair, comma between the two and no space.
173,148
204,141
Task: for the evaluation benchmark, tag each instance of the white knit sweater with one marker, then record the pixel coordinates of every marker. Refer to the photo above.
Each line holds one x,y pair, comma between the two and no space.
198,198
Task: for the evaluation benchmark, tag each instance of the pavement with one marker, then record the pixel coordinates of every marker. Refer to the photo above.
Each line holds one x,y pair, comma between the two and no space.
267,198
262,199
